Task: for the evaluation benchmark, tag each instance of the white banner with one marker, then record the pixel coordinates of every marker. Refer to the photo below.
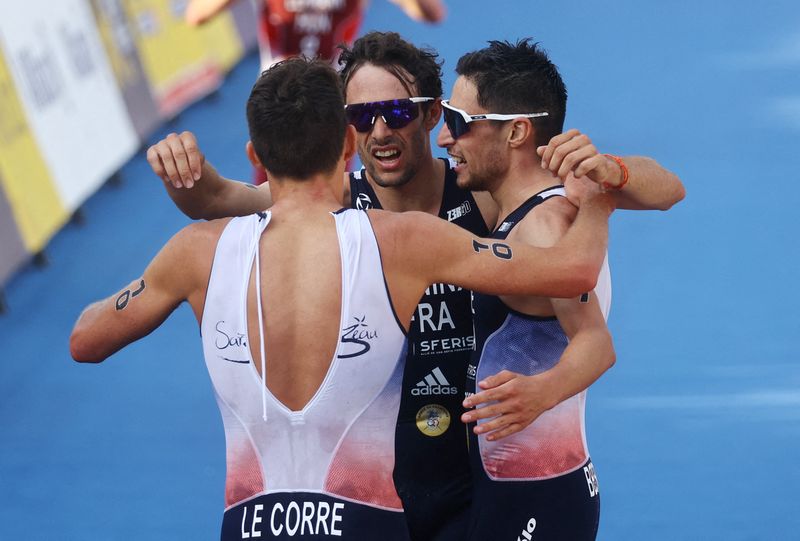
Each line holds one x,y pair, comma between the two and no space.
70,96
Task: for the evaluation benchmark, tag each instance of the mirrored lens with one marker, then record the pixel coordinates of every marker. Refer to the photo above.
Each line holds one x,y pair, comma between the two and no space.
400,113
455,123
360,115
396,113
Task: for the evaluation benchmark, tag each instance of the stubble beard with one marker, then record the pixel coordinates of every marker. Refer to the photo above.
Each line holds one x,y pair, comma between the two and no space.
413,155
481,178
405,176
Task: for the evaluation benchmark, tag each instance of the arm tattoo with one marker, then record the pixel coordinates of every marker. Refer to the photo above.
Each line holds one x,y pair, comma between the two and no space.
127,295
500,250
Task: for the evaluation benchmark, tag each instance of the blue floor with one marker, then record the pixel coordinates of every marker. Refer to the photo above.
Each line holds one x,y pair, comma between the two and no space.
694,432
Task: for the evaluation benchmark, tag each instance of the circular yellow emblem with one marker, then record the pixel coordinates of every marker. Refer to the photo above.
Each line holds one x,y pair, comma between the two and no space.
433,420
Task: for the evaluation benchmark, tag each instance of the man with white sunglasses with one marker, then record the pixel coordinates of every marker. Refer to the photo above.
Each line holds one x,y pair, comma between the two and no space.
529,456
393,92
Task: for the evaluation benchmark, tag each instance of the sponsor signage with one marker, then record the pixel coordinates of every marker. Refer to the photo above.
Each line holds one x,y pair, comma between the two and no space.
118,38
68,92
25,178
197,56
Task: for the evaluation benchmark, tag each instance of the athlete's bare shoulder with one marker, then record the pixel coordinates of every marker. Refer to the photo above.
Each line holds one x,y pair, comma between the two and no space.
546,223
204,232
194,245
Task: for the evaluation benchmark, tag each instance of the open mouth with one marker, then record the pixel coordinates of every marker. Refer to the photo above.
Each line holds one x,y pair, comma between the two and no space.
387,155
458,160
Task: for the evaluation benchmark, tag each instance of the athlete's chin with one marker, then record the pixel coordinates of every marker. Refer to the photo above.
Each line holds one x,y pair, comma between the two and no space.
389,179
465,181
390,183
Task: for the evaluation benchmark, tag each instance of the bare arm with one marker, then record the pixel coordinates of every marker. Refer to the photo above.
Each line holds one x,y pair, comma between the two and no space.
196,188
649,187
419,249
430,11
110,324
200,11
566,269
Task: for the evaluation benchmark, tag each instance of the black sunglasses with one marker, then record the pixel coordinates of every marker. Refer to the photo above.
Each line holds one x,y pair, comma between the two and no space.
458,120
395,113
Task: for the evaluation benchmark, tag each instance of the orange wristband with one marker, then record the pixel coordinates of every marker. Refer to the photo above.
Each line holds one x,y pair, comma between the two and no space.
625,173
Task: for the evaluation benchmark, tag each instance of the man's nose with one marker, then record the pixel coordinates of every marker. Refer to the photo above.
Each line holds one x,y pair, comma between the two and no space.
379,127
445,139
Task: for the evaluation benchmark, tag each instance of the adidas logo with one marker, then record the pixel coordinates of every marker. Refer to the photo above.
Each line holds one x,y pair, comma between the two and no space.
434,384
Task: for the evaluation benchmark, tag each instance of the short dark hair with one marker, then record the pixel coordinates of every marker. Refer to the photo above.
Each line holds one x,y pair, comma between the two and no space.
295,114
518,78
391,52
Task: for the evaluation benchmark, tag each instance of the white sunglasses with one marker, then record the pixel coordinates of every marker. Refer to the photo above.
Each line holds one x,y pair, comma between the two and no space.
458,120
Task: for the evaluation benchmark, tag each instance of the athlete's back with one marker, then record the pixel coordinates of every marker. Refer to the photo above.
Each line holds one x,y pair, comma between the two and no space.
311,445
301,288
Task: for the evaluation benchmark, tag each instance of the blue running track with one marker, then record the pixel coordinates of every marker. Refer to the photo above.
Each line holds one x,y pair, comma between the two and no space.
694,433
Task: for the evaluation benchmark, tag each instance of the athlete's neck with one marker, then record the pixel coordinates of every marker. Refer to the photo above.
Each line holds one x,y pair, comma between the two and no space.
422,193
525,178
317,193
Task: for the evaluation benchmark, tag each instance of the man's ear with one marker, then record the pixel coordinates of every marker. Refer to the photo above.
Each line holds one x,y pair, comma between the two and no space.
433,115
522,131
252,156
349,142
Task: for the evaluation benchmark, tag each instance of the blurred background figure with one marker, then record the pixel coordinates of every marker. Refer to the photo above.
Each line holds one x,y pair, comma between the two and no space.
312,28
309,27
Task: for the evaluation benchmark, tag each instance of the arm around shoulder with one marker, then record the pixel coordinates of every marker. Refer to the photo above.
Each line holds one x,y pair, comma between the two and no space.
195,187
215,196
650,186
431,250
638,183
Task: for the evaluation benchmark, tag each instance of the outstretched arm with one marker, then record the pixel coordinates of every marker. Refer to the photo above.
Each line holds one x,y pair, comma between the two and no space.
108,325
419,249
196,187
649,186
566,269
429,11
